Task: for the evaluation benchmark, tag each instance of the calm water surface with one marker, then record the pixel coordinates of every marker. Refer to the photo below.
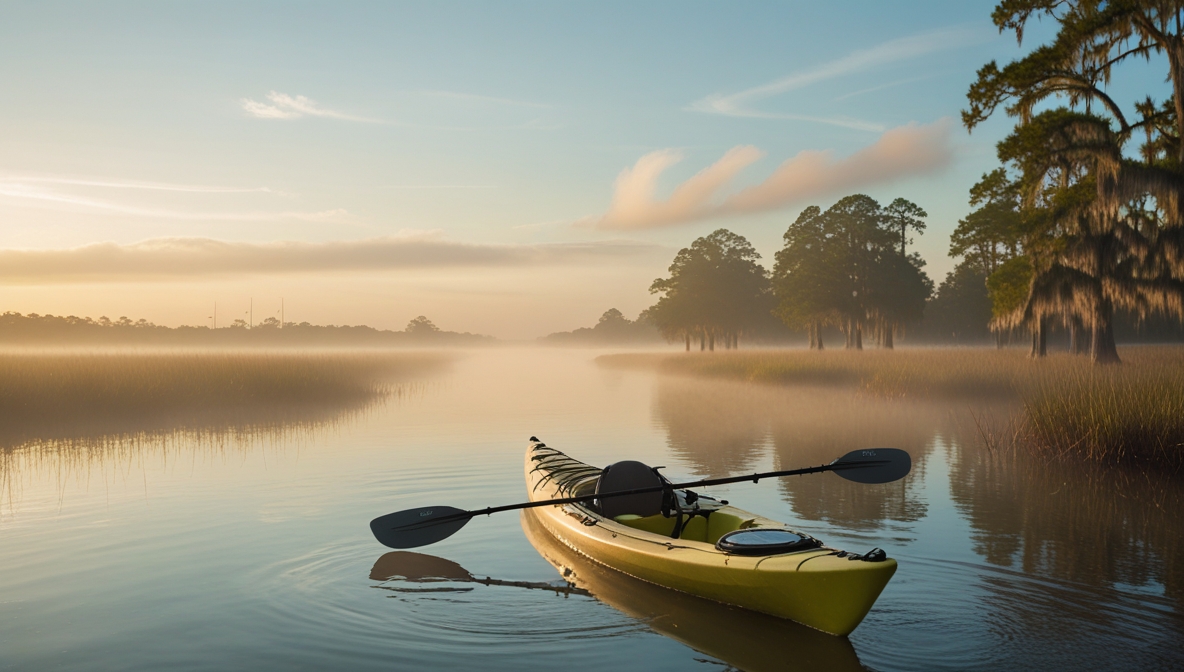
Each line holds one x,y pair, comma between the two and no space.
245,549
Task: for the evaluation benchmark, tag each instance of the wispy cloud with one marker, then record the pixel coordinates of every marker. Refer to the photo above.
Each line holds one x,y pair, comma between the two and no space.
284,106
902,152
740,104
180,258
124,184
33,192
887,85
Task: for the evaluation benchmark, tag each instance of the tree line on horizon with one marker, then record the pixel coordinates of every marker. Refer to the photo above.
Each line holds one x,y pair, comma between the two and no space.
848,267
848,270
35,329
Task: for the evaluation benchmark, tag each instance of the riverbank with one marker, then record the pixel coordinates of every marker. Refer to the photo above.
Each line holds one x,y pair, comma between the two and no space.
1128,413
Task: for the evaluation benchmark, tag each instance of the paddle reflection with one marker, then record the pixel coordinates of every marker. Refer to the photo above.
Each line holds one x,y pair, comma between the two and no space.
405,566
744,639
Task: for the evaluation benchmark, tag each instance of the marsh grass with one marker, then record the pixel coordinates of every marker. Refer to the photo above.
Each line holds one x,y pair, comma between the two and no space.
1132,412
85,414
66,396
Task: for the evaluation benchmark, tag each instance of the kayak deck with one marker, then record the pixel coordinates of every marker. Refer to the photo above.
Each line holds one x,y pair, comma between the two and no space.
821,587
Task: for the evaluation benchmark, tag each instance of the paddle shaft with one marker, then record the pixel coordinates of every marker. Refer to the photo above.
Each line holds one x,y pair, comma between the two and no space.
657,488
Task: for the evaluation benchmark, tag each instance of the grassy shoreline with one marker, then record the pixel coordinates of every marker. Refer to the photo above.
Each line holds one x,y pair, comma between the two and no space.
1128,413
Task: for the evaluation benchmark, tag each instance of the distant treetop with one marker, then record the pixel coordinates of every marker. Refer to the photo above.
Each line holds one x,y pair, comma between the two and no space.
421,325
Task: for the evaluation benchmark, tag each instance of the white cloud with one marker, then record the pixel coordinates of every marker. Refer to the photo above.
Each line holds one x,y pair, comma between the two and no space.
284,106
902,152
740,104
264,111
178,258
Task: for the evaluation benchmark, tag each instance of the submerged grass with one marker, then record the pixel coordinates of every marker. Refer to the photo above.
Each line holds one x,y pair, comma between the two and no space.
1133,412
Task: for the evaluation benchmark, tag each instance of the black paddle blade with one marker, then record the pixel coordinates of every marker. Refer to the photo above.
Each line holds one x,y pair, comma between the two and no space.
418,527
874,465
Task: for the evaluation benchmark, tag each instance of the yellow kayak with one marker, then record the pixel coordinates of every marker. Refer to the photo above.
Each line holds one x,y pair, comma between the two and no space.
737,636
711,555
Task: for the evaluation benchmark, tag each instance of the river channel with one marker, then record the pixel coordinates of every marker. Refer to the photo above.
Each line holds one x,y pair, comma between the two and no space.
251,549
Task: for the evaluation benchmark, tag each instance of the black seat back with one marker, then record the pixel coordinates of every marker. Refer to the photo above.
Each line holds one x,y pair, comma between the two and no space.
629,475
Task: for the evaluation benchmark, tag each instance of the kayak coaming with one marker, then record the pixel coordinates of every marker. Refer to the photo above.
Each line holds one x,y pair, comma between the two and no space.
814,587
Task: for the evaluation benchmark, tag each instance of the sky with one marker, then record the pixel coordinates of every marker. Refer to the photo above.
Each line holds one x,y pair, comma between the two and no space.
508,168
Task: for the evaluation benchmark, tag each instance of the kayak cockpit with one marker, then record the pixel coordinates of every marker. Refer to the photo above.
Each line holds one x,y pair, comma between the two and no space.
705,526
681,514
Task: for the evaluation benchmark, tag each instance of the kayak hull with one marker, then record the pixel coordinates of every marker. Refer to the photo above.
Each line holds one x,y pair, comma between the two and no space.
815,587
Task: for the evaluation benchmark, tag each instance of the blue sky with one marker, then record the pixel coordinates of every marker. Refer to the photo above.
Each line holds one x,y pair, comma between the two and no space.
489,138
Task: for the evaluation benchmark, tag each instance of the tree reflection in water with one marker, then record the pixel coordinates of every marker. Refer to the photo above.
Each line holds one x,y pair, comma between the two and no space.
722,428
719,432
1072,521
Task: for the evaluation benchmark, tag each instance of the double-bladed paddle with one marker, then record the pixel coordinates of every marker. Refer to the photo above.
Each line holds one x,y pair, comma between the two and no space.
420,527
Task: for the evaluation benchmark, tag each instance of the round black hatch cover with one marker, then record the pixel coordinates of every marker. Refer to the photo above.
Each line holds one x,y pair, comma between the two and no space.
757,541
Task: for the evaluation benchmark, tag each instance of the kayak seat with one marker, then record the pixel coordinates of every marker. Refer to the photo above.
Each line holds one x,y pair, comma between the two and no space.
629,475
